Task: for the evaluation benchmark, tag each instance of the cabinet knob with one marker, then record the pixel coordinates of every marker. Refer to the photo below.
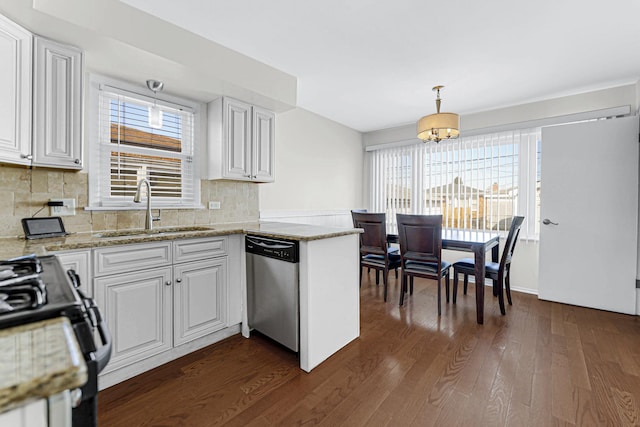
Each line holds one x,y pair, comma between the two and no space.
26,156
168,283
179,280
76,161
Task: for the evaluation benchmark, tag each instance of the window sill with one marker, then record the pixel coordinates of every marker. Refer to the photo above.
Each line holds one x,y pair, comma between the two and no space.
140,208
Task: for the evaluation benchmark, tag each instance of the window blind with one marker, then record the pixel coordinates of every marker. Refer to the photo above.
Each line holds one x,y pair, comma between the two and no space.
142,138
476,183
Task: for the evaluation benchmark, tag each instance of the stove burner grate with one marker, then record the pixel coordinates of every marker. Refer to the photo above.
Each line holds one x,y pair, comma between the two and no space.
21,287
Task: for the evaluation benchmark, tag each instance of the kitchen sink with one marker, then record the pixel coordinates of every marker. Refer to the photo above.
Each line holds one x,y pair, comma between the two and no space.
155,231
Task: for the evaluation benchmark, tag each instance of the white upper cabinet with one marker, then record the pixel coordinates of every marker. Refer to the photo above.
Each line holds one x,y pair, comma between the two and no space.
57,107
241,142
236,131
40,100
263,131
15,93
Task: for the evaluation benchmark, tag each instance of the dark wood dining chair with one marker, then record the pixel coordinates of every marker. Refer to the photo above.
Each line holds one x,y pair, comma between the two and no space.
421,252
356,211
498,272
374,251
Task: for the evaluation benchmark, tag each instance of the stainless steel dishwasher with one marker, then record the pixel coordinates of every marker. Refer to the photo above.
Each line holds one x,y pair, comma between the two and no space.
272,289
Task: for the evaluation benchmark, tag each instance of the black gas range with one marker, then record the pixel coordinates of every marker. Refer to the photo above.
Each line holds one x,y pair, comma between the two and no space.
35,288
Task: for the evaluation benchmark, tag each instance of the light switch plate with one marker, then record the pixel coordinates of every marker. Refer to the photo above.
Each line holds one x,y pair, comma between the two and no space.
68,207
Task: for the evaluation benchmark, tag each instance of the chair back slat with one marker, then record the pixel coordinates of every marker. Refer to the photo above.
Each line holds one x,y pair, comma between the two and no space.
420,237
353,218
374,238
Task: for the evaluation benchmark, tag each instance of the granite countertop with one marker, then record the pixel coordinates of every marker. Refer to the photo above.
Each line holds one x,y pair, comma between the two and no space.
38,360
43,358
301,232
12,247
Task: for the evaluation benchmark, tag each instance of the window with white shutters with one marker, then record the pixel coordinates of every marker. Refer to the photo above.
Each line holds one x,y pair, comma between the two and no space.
141,137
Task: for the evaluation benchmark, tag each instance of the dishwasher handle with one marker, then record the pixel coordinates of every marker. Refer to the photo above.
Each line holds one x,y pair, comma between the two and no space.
271,245
284,250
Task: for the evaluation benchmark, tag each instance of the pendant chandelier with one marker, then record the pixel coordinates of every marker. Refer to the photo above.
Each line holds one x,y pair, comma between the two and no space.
438,126
155,113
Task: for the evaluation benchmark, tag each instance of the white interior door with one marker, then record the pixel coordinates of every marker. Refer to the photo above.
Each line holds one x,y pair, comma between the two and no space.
590,189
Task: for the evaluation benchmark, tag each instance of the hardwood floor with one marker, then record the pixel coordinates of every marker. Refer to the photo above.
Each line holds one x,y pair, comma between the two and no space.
542,364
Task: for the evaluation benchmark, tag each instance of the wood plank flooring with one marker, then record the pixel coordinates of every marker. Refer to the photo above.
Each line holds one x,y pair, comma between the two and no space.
542,364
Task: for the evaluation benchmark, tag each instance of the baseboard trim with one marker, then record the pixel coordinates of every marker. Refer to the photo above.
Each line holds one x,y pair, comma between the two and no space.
124,373
524,290
535,292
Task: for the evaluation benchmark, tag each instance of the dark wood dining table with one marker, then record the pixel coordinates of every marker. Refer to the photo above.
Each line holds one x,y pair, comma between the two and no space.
478,242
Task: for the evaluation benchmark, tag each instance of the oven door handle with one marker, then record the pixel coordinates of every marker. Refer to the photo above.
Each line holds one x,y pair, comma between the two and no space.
102,354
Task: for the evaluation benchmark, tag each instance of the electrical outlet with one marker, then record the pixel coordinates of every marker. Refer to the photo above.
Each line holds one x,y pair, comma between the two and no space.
68,207
214,205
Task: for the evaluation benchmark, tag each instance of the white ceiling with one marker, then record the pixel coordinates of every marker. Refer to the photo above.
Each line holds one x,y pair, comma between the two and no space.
371,65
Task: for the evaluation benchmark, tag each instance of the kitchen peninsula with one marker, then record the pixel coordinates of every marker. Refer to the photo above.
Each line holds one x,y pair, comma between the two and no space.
329,290
328,276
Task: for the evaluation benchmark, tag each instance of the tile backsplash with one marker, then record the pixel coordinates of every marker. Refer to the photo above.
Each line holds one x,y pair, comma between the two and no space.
24,191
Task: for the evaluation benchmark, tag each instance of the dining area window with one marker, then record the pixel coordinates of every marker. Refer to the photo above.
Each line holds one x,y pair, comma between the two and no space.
476,182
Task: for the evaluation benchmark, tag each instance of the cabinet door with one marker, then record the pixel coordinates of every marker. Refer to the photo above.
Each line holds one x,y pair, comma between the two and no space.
15,93
57,116
137,307
237,139
33,414
263,145
199,298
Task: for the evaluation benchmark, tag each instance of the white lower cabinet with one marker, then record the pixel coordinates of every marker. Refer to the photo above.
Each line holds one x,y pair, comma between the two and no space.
80,262
198,296
164,295
54,411
137,306
33,414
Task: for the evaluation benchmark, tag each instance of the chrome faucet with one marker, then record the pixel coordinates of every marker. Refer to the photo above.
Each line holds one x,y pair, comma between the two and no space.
148,219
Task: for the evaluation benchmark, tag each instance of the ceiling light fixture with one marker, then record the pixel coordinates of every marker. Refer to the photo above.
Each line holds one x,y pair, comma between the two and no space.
439,126
155,113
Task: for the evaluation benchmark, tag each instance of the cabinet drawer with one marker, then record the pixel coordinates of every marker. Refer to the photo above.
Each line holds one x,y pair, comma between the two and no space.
195,249
121,259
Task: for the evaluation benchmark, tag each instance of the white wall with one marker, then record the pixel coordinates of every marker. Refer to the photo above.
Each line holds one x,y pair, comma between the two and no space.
524,274
318,165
